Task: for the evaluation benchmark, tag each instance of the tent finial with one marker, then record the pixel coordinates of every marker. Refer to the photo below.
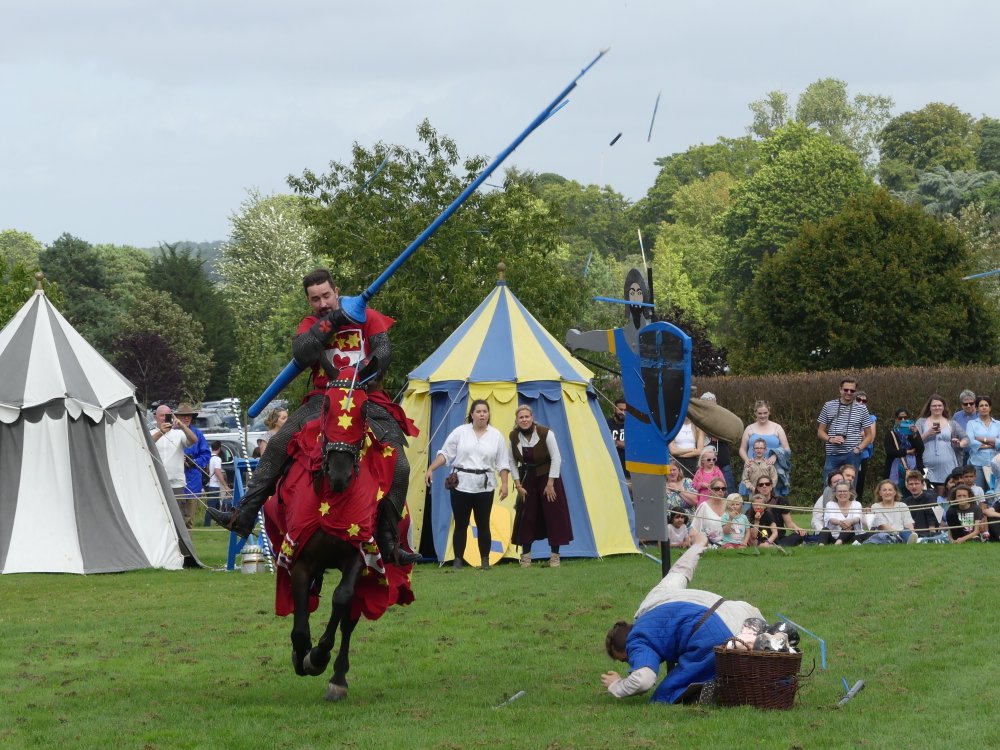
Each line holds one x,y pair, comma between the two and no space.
501,270
39,277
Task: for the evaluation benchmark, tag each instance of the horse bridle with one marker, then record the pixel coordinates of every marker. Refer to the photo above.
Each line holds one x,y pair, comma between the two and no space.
338,446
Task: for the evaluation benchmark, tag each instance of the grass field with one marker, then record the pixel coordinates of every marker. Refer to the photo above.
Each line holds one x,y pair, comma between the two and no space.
196,659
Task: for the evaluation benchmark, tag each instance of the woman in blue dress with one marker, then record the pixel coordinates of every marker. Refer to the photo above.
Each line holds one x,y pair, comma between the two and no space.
940,435
773,435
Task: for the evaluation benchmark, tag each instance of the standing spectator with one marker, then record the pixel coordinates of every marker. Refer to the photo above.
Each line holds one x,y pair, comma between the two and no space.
967,399
757,467
983,434
963,518
904,448
940,436
542,511
218,487
845,427
171,438
862,398
274,421
687,445
921,503
773,435
708,472
616,423
196,458
722,449
478,453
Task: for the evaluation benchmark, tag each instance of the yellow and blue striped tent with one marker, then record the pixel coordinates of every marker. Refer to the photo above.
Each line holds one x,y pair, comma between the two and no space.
503,355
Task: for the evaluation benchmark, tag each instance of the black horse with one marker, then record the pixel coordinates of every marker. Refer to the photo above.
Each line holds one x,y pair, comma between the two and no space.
332,482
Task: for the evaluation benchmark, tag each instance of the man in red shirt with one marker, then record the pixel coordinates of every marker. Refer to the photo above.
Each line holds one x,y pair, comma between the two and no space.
329,333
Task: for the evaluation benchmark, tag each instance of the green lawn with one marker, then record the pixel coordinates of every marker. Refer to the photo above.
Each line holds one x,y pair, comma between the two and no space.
195,659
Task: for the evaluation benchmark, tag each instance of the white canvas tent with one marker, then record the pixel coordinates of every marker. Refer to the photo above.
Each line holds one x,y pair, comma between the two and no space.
81,486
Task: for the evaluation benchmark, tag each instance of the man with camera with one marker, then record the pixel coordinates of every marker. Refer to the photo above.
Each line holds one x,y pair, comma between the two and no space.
171,437
845,427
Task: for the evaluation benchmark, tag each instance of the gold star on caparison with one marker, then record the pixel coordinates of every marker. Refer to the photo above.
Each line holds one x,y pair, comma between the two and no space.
345,421
324,508
353,529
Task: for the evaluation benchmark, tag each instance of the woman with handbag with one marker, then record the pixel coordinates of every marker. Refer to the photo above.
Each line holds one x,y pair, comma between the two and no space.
542,510
477,452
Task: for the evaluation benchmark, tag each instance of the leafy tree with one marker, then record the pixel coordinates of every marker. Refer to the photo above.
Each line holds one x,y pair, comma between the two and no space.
77,268
363,226
20,247
853,123
737,157
17,284
806,178
150,363
183,336
770,114
262,265
878,284
943,193
126,268
914,142
988,154
981,231
182,275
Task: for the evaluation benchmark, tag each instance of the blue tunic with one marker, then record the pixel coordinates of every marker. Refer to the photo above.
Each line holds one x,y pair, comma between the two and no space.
664,634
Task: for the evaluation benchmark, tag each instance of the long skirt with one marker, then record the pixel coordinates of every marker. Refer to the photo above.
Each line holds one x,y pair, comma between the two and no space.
538,518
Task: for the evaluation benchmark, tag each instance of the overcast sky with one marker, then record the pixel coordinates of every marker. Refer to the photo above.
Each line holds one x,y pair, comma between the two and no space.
136,122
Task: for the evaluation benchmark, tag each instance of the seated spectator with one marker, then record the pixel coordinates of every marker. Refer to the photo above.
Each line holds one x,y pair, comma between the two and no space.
819,508
893,522
842,520
756,467
707,474
763,526
790,534
964,519
850,474
708,518
680,489
922,503
735,526
678,533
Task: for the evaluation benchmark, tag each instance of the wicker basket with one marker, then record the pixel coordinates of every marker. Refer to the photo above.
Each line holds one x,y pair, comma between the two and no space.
764,679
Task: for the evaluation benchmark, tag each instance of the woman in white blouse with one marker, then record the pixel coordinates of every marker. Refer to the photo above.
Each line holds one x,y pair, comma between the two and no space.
477,452
542,509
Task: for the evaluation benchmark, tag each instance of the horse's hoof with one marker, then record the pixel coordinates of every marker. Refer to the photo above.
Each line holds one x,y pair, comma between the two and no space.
335,693
298,665
316,662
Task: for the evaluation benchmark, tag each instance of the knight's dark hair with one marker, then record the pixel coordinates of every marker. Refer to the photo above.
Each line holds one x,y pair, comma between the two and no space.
474,404
615,640
317,277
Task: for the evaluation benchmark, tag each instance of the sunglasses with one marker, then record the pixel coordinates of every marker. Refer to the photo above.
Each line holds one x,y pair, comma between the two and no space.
861,400
848,390
708,460
968,403
718,488
763,484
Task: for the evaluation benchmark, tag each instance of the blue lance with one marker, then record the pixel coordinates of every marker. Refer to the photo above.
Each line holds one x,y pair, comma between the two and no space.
354,307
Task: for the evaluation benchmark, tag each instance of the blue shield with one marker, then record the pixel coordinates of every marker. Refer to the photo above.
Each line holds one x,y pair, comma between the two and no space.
665,368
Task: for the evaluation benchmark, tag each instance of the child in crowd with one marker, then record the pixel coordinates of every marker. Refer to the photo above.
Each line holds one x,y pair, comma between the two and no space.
967,478
921,502
735,525
964,518
756,468
708,472
763,525
678,533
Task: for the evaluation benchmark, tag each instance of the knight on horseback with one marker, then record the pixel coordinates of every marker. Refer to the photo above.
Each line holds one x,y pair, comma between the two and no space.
331,335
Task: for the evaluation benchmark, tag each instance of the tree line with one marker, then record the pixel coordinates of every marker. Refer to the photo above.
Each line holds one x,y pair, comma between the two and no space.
831,235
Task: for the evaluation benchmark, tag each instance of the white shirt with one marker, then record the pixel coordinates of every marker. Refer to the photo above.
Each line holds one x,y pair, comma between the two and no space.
171,449
896,517
465,449
215,462
530,442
